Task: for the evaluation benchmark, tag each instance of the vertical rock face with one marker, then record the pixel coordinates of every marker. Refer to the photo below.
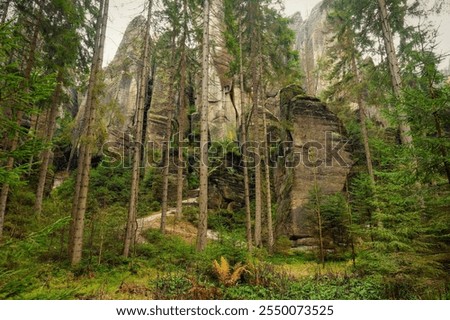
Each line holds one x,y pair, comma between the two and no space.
121,84
117,105
223,112
121,90
312,36
315,157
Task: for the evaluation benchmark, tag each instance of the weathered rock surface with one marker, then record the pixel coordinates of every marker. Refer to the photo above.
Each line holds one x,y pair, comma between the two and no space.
312,38
224,110
226,189
314,156
121,85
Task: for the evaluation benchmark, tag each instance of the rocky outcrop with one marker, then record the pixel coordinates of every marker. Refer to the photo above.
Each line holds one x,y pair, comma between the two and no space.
314,157
121,85
226,189
224,110
122,78
312,38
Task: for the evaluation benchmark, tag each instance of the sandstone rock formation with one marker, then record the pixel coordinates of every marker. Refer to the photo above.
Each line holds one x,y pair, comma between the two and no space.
224,111
314,156
121,84
294,118
312,38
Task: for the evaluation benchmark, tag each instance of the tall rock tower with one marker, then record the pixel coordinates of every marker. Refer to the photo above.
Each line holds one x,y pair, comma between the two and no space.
312,37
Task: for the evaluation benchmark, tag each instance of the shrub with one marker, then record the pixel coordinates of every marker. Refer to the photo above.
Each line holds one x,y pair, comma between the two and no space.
283,246
168,253
180,286
171,287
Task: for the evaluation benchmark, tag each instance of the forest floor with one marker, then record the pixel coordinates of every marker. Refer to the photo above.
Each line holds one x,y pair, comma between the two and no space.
188,232
168,267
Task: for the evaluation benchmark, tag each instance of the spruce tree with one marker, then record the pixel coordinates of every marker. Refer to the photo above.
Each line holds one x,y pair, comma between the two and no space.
130,234
88,134
202,235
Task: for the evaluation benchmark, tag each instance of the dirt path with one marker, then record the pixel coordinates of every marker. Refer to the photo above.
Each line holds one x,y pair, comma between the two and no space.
183,229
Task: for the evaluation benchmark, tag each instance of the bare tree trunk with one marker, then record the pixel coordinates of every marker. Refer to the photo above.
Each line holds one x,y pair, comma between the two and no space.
394,68
363,120
5,188
46,154
318,211
256,77
181,117
202,236
130,235
248,213
444,153
166,159
268,186
350,221
258,182
166,167
84,161
83,133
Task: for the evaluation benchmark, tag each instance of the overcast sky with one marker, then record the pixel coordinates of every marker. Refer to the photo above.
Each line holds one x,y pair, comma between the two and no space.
122,12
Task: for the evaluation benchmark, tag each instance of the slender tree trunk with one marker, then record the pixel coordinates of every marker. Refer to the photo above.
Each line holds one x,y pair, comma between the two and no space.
5,190
46,154
84,161
166,160
202,236
444,153
83,133
130,235
256,77
258,182
270,240
181,116
319,219
34,123
248,213
394,68
166,171
363,120
350,221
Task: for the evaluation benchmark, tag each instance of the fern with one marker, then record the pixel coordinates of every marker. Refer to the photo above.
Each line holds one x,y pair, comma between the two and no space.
223,271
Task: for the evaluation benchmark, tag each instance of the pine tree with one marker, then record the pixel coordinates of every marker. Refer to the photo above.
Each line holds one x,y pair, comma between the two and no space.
244,130
16,104
85,154
270,240
69,18
346,72
394,69
137,152
202,235
182,110
17,114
